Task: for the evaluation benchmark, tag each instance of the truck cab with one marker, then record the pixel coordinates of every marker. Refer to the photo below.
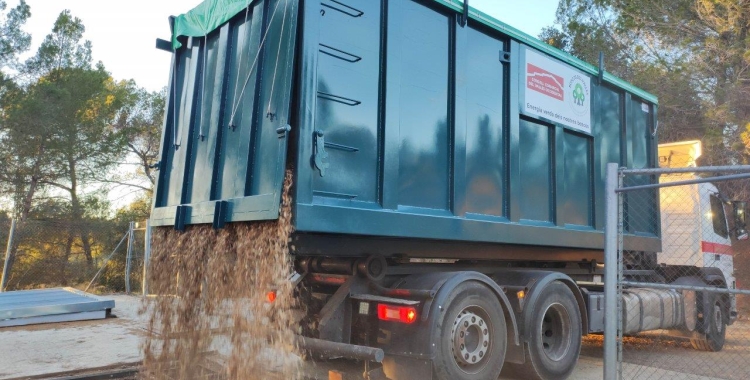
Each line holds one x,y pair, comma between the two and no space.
694,224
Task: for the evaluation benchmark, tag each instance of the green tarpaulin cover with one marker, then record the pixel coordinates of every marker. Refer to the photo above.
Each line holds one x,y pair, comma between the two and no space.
205,18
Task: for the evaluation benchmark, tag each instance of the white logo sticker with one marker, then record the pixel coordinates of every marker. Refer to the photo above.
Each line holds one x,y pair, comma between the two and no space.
557,92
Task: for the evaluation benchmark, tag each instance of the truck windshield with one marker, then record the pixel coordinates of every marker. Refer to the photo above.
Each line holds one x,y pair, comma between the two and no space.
718,217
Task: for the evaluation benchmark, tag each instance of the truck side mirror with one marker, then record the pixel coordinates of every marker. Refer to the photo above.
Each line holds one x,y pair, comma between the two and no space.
740,230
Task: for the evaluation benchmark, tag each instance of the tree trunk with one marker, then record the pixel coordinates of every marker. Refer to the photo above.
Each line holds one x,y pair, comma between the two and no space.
86,242
64,280
77,218
24,199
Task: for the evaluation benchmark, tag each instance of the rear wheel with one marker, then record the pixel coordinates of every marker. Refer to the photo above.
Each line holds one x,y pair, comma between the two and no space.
555,337
472,336
712,324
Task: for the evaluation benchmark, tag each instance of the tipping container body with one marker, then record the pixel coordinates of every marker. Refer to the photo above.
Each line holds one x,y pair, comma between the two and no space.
409,132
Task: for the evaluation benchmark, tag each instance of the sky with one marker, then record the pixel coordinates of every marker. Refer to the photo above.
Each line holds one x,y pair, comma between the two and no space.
124,32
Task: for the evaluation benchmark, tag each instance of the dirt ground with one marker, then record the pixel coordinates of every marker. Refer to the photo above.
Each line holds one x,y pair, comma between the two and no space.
60,347
53,348
652,355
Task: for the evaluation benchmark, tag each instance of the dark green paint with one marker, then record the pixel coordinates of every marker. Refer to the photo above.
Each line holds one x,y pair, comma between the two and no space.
348,66
487,127
420,128
228,99
536,177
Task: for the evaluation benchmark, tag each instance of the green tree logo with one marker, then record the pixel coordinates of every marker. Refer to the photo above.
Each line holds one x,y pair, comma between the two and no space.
579,96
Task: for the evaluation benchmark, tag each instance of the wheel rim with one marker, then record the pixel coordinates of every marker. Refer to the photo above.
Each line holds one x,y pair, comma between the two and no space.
471,339
555,332
718,318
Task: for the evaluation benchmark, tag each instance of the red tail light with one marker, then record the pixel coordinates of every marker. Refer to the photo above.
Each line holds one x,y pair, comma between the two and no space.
403,314
270,297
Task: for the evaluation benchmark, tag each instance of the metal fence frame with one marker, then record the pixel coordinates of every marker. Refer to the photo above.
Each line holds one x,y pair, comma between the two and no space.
613,268
6,266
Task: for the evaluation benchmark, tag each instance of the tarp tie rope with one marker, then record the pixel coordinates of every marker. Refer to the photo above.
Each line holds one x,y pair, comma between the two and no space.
175,142
236,104
278,58
242,53
203,88
183,101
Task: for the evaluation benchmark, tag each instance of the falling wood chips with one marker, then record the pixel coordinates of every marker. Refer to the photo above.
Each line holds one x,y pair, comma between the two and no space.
211,288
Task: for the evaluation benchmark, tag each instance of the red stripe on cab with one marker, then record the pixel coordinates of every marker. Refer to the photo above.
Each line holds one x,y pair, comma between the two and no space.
716,248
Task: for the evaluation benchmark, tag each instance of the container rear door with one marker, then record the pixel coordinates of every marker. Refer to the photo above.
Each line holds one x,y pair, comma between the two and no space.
226,128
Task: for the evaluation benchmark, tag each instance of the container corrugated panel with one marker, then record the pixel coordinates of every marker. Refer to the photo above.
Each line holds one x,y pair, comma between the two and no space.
440,131
225,135
50,305
408,124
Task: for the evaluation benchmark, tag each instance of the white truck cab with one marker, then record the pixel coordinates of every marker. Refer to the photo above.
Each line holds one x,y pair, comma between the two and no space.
694,224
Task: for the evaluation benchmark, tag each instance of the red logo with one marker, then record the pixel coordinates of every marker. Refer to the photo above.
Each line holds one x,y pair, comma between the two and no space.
543,81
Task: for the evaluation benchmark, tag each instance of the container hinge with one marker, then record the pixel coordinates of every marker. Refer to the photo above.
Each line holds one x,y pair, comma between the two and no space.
179,217
284,130
221,209
464,18
504,56
320,154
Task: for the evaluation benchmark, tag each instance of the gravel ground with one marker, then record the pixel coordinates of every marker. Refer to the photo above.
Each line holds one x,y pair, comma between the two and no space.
52,348
651,355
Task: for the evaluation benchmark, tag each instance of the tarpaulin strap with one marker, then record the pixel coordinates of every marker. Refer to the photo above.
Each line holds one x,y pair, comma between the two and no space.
242,54
181,121
203,88
278,58
175,141
236,104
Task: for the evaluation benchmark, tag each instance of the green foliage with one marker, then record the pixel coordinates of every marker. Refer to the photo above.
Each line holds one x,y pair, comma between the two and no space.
62,48
56,129
555,37
66,127
13,40
141,119
139,210
59,132
50,254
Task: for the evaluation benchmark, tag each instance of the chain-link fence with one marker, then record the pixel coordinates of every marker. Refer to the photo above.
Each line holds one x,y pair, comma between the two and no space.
97,256
682,255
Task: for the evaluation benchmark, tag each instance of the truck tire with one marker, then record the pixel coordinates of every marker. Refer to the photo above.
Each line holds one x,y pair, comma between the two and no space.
554,338
713,324
471,335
